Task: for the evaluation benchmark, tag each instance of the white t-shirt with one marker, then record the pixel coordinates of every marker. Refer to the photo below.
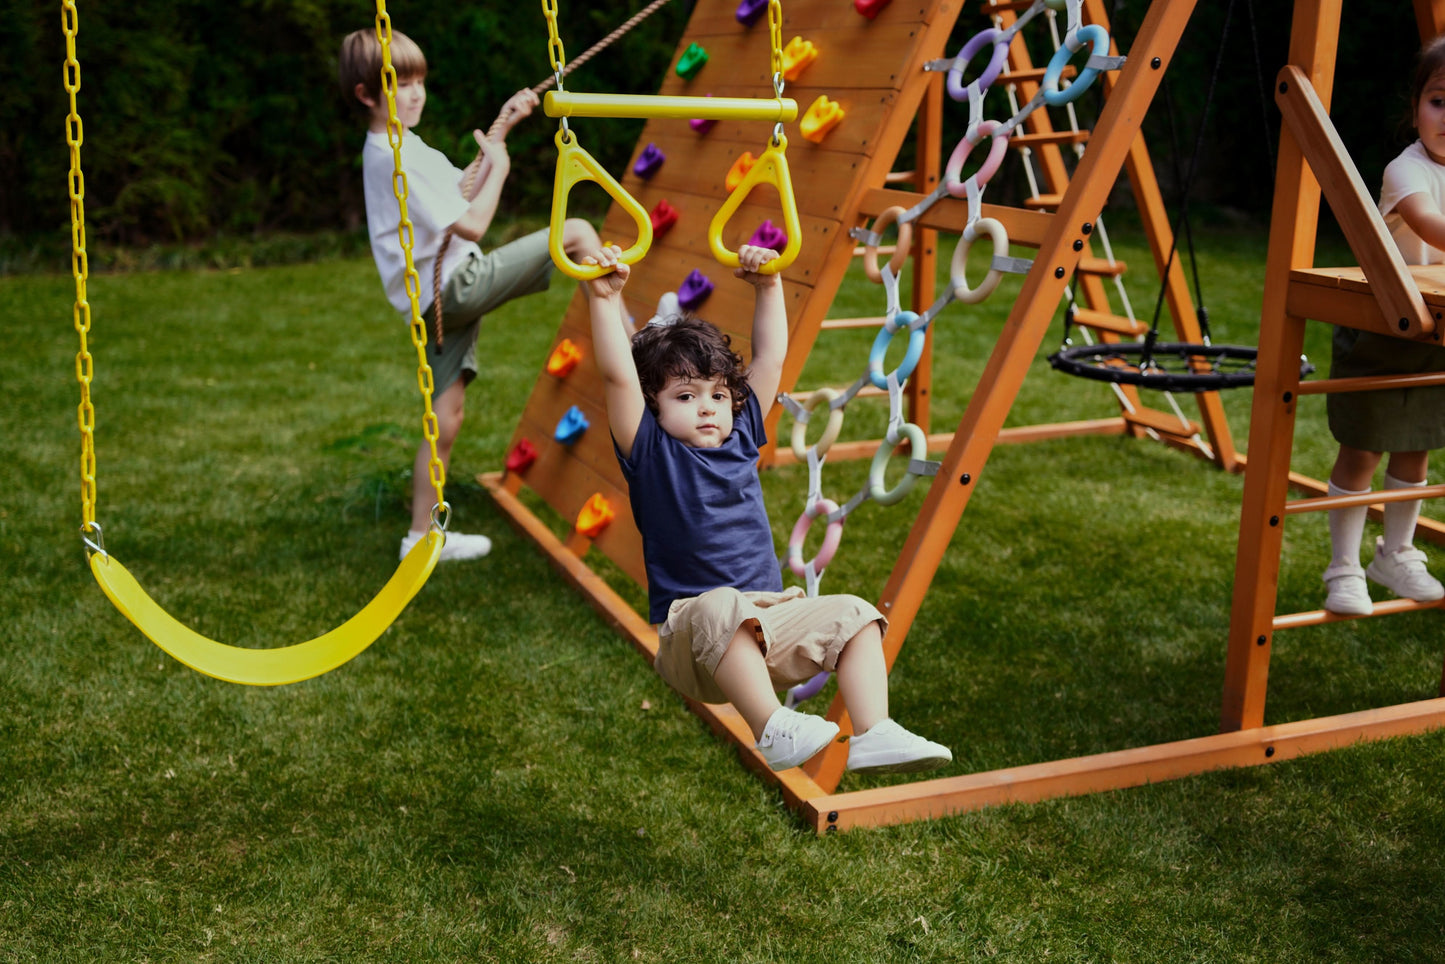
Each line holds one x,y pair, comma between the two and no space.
1413,172
434,203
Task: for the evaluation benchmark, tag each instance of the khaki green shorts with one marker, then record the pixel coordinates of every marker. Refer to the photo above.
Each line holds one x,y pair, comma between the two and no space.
799,636
481,284
1392,419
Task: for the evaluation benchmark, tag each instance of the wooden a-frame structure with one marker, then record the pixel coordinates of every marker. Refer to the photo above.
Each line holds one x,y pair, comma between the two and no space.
843,182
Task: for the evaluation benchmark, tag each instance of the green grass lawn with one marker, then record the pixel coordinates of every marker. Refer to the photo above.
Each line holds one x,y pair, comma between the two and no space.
501,778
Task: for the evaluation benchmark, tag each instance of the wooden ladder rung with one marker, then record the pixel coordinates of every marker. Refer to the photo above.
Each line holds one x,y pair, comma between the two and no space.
898,177
1104,321
1326,502
1044,202
1014,6
1032,75
1049,137
854,322
859,251
1101,267
1165,423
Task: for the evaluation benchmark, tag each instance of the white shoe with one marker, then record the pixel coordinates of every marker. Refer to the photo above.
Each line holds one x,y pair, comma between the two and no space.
792,738
889,748
1403,572
1348,596
459,545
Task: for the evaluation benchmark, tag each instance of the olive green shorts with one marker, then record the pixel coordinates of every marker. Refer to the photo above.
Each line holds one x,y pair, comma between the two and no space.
1392,419
481,284
799,636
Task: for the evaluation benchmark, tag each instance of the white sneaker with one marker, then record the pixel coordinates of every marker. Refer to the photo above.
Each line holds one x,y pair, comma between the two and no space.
1403,572
792,738
459,545
889,748
1348,596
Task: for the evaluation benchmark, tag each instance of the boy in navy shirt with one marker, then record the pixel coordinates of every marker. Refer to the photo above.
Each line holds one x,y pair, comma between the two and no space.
687,420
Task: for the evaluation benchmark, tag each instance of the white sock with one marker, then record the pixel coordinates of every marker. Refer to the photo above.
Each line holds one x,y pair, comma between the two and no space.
1347,529
1400,517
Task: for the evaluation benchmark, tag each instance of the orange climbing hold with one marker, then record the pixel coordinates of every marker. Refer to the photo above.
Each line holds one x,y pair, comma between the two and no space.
739,170
595,515
564,358
797,55
822,117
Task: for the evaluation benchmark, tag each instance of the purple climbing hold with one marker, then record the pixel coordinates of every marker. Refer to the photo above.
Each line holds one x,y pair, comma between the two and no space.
769,235
750,10
694,291
648,161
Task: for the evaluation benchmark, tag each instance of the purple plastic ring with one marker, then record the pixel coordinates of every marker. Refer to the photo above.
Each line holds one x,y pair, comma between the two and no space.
956,87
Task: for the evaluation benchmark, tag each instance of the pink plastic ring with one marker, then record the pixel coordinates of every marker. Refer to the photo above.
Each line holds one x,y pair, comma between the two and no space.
954,168
831,537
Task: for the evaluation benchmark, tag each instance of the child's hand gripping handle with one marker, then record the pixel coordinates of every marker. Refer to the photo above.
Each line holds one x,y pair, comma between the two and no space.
772,167
575,165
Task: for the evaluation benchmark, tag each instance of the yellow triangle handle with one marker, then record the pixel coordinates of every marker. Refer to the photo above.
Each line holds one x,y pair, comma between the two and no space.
575,165
269,667
771,167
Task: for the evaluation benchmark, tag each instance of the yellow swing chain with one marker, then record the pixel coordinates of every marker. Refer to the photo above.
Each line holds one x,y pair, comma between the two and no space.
775,30
79,265
80,268
557,55
440,511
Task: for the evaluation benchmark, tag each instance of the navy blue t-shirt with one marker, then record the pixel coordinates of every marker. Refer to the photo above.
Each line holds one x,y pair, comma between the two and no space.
700,512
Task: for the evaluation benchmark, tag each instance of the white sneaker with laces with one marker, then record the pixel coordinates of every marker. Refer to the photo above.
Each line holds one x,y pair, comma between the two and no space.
1348,595
889,748
459,545
792,738
1403,572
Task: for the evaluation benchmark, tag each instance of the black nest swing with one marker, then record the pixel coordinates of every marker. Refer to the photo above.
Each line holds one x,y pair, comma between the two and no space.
1167,365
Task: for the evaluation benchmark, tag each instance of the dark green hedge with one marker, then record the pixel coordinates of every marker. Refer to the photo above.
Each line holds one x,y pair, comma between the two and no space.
206,119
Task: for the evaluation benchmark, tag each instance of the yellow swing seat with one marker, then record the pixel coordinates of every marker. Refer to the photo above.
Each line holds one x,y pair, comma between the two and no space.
281,665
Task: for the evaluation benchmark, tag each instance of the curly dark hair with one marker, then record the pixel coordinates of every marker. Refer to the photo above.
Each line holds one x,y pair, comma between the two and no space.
691,348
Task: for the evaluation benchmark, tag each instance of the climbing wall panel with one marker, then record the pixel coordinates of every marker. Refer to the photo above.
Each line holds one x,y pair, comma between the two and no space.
872,68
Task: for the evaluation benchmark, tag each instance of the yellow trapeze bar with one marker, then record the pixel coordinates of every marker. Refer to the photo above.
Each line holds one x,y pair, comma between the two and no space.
575,165
568,104
269,667
772,167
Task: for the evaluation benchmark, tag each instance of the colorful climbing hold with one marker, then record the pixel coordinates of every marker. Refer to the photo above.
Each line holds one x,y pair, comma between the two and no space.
749,11
564,358
739,170
571,426
769,235
797,55
691,61
596,512
694,291
662,216
821,117
523,454
869,8
648,161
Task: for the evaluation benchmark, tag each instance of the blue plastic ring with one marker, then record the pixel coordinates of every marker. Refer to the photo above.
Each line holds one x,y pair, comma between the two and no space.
880,348
1098,39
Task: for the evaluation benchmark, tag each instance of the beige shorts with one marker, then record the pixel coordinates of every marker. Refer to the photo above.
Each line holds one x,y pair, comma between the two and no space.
799,636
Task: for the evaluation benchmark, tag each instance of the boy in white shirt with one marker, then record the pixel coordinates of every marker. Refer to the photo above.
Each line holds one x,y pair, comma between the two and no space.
473,283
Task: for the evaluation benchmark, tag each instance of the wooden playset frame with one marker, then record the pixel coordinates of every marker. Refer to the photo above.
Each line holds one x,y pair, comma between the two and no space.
844,181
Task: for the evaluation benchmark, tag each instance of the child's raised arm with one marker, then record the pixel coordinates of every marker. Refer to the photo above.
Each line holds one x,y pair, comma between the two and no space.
613,347
1423,216
770,324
